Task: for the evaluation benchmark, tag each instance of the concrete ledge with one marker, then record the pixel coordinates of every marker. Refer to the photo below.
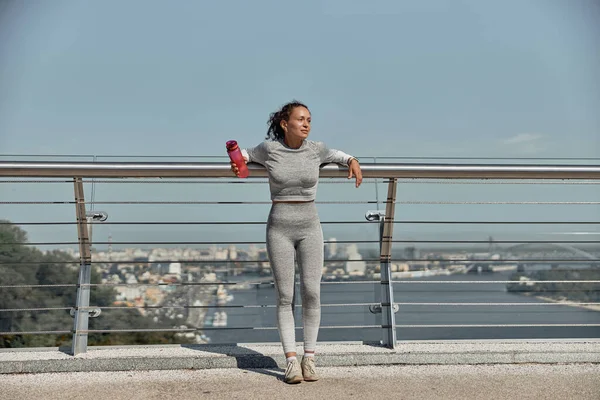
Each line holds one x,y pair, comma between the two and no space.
269,356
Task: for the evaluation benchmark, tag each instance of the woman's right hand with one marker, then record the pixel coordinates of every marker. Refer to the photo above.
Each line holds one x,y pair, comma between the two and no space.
235,169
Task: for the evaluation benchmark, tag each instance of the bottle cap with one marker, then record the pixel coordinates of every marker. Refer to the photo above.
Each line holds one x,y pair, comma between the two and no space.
231,145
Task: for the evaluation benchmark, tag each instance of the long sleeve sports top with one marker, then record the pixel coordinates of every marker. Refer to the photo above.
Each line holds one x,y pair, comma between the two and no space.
294,173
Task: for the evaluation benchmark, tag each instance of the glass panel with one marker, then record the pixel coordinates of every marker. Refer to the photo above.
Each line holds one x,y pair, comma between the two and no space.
33,251
231,251
486,235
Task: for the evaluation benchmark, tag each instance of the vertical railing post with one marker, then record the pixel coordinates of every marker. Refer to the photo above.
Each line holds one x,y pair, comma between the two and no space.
80,336
388,317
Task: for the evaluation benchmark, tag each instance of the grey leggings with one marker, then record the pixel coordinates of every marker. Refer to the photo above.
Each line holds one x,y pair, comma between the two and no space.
295,229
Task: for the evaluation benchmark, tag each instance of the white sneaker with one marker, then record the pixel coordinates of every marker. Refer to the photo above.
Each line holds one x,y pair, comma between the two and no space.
293,372
309,372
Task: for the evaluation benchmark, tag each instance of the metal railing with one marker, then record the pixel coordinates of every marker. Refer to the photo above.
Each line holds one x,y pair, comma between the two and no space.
392,175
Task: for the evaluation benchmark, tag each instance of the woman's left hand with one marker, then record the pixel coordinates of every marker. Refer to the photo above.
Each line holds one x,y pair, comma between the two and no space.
354,169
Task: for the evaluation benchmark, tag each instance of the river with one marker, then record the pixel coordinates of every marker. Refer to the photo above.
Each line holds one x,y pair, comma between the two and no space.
420,290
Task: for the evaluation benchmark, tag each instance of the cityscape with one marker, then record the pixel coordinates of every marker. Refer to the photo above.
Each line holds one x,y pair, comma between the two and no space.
149,279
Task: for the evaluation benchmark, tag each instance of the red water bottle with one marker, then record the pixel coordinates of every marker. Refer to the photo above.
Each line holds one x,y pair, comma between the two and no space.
235,155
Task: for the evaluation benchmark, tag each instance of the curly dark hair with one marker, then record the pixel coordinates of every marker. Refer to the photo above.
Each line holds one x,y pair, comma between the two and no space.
275,131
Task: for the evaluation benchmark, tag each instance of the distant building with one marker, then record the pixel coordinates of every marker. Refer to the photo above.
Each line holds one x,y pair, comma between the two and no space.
353,267
411,253
232,253
331,248
175,269
252,252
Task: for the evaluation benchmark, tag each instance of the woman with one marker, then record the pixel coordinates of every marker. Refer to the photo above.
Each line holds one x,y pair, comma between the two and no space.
293,227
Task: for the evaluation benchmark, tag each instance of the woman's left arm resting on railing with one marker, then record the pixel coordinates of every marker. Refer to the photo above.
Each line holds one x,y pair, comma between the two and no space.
339,157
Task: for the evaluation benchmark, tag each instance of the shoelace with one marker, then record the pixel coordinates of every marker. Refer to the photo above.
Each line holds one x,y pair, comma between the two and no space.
309,365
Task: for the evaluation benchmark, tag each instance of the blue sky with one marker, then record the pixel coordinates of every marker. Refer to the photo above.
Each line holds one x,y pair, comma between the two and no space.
429,78
383,78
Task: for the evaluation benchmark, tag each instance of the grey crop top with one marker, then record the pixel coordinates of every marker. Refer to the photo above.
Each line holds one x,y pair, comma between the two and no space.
294,173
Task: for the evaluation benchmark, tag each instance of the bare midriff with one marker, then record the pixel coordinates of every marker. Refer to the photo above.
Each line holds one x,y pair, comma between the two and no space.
292,202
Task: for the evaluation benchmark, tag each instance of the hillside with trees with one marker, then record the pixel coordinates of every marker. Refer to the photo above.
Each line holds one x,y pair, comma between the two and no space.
22,264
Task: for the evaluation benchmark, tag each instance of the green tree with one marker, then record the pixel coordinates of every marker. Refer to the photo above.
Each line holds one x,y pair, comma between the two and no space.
21,264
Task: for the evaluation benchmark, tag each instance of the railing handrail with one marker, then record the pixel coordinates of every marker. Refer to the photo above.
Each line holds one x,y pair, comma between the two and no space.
222,170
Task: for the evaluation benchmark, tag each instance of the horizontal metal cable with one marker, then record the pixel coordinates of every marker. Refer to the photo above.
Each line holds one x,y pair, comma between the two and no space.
407,222
90,156
475,291
325,241
341,260
180,243
38,202
495,222
492,260
196,157
373,260
500,262
316,202
243,283
340,327
477,158
233,306
259,328
495,182
500,202
343,327
377,260
342,282
462,260
22,286
176,223
35,333
494,241
491,282
189,181
268,281
34,309
566,303
38,286
209,306
365,157
180,330
299,328
222,181
172,261
499,326
184,202
375,180
73,263
467,304
39,181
